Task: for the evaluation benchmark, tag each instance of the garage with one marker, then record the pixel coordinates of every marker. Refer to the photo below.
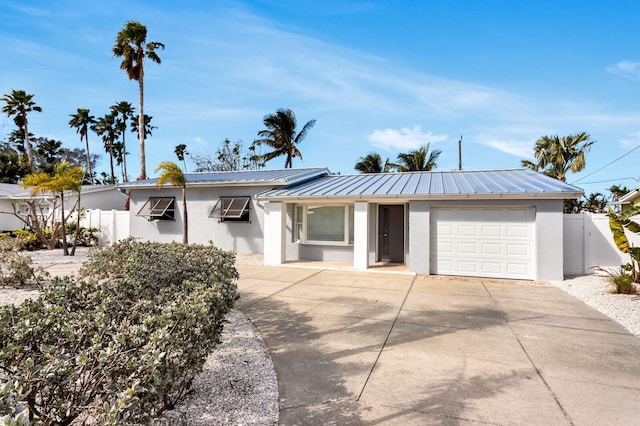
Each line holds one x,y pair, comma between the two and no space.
483,242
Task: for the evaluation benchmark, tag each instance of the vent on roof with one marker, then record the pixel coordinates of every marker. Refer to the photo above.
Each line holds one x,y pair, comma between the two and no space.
231,209
158,208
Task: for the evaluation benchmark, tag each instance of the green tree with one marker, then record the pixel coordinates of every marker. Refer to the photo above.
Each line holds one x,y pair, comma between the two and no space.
65,178
82,122
181,151
131,45
124,111
557,155
419,160
17,105
281,135
172,174
618,192
148,128
372,163
595,203
12,168
107,128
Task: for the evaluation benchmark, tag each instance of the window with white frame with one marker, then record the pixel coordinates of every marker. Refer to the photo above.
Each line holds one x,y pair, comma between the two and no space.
331,223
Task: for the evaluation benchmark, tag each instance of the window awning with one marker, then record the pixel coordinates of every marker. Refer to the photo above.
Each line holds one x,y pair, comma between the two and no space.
230,208
157,207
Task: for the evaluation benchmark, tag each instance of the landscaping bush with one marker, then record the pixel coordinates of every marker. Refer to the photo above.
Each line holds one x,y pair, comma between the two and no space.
27,239
124,342
15,268
622,281
87,237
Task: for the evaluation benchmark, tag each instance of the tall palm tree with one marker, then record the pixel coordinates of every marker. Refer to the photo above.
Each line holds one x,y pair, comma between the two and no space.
17,105
558,155
148,128
280,134
418,160
65,178
124,111
82,122
131,45
372,163
107,128
173,174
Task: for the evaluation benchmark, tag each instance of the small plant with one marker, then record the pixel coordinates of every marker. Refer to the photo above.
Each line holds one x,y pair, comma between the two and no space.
16,269
27,240
620,279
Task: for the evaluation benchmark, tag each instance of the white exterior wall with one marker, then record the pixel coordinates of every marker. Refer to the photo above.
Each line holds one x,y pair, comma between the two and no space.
242,237
548,225
274,236
361,236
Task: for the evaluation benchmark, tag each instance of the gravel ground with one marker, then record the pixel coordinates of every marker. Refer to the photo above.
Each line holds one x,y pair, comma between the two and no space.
595,291
238,384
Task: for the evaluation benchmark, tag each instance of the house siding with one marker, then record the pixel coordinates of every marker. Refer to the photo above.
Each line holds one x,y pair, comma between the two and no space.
241,237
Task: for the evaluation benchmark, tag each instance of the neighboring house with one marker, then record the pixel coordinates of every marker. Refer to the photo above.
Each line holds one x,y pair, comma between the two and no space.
496,223
13,198
630,199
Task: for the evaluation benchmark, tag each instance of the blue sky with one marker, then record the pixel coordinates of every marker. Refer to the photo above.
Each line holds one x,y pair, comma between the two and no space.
383,76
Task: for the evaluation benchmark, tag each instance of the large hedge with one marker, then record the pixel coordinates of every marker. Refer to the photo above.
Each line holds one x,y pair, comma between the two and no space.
122,343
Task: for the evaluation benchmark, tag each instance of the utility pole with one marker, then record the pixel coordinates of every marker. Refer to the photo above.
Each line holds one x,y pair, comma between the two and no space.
460,153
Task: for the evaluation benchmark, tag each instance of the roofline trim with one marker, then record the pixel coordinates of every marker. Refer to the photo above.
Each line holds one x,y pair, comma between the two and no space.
409,197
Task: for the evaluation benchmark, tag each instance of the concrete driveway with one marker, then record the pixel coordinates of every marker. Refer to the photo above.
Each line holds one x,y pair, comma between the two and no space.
379,348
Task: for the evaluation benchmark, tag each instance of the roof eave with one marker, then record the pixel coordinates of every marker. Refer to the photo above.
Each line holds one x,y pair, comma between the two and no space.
439,197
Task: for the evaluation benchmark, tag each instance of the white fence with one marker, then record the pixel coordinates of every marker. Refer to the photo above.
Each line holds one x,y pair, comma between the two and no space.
588,242
113,225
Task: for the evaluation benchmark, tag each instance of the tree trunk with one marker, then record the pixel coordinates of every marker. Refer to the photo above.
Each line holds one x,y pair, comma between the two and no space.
86,139
65,247
75,241
141,129
113,173
125,176
27,145
185,230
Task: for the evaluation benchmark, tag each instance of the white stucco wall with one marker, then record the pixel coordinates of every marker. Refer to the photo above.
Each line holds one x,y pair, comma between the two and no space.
242,237
548,231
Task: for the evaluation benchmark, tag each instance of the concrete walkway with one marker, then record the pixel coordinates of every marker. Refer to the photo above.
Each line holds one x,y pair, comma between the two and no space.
378,348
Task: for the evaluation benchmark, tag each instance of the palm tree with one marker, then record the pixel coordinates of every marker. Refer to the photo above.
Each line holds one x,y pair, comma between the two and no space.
148,128
280,134
124,111
372,163
181,151
418,160
173,175
558,155
65,178
131,45
18,105
82,121
595,203
107,128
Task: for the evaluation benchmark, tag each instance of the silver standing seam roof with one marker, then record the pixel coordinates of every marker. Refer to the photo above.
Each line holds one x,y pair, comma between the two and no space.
517,183
279,177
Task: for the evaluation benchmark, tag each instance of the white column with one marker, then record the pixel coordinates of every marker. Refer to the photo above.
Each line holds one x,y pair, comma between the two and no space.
274,236
361,235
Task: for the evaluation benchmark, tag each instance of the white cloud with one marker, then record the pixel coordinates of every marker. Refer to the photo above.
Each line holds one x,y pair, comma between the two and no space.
628,69
516,148
633,142
404,138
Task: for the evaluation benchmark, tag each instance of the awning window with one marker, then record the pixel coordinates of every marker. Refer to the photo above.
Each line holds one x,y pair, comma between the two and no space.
158,208
231,209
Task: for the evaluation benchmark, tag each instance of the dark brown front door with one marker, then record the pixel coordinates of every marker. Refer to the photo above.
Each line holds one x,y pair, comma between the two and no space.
391,233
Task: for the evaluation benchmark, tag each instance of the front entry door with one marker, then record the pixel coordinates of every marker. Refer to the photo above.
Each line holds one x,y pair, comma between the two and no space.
391,233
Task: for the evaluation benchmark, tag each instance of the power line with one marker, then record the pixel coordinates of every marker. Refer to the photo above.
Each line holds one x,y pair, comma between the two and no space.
611,180
606,165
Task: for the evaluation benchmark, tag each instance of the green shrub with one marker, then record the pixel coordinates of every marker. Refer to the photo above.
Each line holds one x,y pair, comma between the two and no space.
622,281
124,342
87,237
17,269
27,240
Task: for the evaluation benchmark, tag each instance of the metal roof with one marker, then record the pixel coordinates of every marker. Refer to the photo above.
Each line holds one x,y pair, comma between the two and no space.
519,183
281,177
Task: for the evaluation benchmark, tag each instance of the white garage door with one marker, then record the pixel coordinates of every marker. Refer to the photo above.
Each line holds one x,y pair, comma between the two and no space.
487,242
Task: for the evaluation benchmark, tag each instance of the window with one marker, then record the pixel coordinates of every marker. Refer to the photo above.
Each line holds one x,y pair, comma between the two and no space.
324,224
158,208
231,209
